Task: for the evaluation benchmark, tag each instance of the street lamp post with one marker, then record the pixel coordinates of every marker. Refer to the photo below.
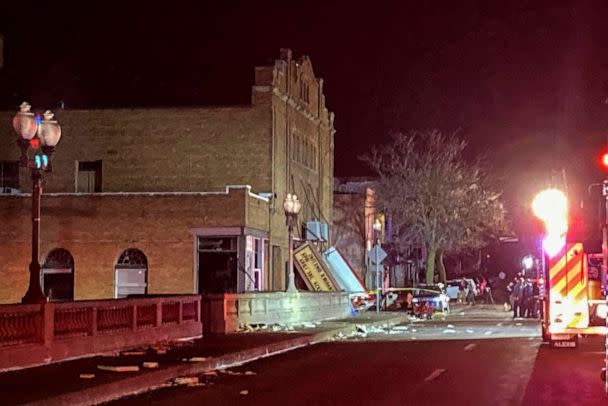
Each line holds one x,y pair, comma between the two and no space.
377,228
40,136
292,207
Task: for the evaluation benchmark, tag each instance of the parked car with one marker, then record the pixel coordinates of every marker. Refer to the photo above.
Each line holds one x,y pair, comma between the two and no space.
453,285
429,299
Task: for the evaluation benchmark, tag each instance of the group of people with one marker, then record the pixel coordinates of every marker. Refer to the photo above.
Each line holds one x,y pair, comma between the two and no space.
469,291
466,292
523,295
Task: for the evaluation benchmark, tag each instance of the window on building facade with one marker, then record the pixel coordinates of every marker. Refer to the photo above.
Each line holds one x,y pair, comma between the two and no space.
254,263
258,263
304,92
304,151
88,177
131,273
9,176
58,276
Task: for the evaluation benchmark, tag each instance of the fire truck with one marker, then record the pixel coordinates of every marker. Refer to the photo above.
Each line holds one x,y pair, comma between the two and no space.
573,296
574,293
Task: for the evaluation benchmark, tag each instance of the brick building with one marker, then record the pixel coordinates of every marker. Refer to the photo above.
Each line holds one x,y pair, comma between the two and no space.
138,200
353,219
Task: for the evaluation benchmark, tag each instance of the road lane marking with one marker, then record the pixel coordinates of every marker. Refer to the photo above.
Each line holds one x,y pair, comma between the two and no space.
434,374
470,347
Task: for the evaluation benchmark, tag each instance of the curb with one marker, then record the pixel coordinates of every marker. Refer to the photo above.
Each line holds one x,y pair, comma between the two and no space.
151,380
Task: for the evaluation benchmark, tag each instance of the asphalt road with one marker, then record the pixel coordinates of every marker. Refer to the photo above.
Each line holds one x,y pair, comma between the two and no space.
507,371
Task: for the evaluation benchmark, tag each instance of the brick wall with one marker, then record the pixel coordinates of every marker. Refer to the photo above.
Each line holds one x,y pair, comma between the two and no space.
205,149
96,229
186,149
349,229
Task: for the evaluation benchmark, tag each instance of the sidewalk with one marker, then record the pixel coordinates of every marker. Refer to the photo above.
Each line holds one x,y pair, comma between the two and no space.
61,384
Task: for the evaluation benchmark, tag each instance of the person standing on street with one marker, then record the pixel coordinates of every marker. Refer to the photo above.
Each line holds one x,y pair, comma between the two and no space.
516,296
528,300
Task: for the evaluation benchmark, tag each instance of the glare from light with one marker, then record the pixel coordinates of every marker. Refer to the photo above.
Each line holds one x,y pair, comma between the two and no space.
551,206
553,244
527,262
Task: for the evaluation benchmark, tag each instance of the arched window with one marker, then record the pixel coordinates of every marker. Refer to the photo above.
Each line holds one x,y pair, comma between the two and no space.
131,274
57,277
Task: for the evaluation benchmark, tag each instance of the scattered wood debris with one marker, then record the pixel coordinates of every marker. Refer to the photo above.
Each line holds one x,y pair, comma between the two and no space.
185,380
250,373
195,359
210,373
229,372
119,368
87,376
150,364
133,353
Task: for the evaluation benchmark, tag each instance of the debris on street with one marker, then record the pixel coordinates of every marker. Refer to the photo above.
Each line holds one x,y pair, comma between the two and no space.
132,353
195,359
119,368
185,380
87,376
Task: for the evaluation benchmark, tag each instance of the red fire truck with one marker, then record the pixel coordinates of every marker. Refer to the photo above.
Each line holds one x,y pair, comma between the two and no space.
573,296
571,293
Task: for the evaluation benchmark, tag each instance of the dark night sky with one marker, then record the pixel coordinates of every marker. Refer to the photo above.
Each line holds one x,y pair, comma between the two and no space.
525,83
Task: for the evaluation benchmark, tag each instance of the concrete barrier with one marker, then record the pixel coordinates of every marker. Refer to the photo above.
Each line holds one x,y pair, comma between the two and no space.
224,313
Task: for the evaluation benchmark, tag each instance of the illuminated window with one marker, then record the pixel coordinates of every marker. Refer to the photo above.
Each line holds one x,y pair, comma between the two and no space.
255,263
131,274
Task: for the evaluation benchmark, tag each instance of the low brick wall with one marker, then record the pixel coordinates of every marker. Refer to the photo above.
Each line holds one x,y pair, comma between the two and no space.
223,313
39,334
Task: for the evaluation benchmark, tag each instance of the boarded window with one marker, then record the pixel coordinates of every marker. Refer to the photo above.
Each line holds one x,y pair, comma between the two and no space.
88,179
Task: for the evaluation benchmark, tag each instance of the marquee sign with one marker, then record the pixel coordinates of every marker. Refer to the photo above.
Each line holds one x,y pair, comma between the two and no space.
312,269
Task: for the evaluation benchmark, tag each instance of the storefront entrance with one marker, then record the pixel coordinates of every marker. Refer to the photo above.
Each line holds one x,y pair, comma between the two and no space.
217,264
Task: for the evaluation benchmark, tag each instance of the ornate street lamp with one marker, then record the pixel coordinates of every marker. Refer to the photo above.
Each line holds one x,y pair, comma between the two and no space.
377,229
41,137
292,207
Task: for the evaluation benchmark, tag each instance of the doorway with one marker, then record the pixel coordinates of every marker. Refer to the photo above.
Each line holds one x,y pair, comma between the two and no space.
217,264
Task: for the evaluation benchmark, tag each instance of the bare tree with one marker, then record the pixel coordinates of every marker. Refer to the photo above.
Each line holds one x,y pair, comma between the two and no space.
434,196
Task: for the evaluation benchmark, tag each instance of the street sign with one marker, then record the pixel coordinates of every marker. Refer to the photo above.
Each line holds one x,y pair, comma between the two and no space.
377,254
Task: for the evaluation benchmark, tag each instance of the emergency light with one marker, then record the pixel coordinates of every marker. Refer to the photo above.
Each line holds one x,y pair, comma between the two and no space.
551,206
